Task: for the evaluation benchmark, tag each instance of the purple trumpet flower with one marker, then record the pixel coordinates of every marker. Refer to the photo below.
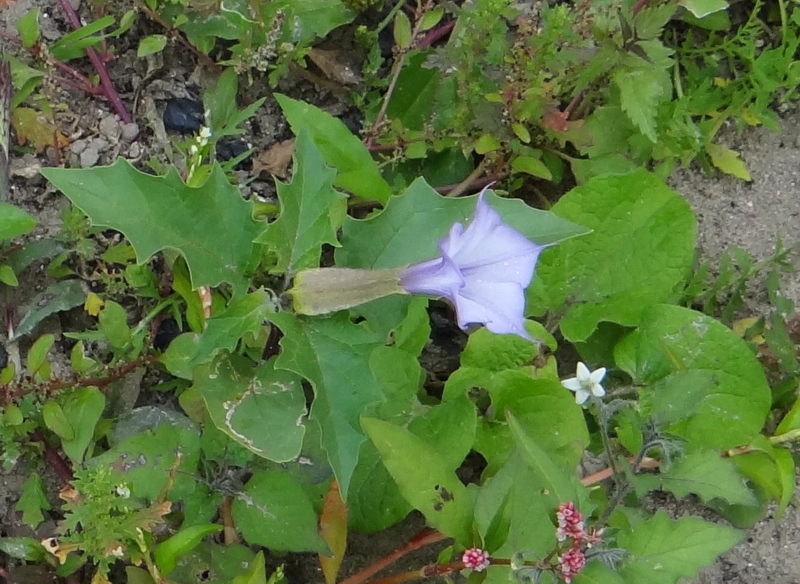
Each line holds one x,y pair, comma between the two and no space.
483,270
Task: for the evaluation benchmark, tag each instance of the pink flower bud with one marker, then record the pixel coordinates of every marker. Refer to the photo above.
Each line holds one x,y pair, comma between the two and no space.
571,563
476,559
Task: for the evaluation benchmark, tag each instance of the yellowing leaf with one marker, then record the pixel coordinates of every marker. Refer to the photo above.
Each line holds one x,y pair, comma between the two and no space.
750,118
333,528
33,127
93,304
727,161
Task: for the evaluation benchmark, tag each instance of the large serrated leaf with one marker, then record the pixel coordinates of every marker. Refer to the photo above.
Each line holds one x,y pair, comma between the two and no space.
334,355
705,474
311,211
210,226
412,225
702,8
358,172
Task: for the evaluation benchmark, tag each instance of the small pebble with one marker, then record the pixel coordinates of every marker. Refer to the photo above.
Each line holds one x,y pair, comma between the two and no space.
89,157
135,150
130,131
27,167
79,146
100,144
109,127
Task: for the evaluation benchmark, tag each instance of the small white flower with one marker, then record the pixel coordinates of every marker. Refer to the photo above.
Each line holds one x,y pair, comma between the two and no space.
586,383
203,136
193,149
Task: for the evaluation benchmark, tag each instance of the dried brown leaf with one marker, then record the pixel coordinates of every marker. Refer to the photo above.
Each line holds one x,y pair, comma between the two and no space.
334,66
275,160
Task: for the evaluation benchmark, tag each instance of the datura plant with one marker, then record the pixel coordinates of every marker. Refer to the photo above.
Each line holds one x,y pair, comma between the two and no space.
302,409
482,270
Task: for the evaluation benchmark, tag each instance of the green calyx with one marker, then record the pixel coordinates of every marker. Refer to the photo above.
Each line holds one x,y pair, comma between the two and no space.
326,290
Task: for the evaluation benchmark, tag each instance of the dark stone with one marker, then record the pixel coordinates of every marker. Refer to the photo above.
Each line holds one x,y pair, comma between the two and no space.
184,115
229,147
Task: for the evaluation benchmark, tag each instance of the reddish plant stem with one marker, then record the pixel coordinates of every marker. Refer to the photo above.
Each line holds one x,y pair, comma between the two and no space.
477,183
573,104
85,81
435,34
425,537
95,91
465,184
56,385
61,466
113,376
56,149
424,572
109,91
639,6
601,475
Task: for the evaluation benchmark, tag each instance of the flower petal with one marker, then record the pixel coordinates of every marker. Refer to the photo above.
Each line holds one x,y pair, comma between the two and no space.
572,384
438,277
597,375
502,268
581,396
583,372
597,390
493,250
454,241
500,307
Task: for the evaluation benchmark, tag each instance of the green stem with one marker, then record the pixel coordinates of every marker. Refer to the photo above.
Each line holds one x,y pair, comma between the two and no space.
151,315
